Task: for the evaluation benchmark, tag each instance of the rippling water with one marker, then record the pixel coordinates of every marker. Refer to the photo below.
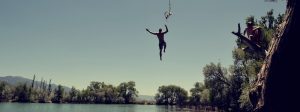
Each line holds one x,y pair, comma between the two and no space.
48,107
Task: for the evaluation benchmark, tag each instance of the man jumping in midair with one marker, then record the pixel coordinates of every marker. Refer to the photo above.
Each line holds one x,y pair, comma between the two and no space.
160,36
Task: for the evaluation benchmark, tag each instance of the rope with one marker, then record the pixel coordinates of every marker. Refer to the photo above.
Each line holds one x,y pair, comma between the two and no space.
169,5
168,13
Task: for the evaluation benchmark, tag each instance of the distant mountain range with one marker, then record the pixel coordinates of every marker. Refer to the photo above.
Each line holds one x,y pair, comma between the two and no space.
15,80
145,98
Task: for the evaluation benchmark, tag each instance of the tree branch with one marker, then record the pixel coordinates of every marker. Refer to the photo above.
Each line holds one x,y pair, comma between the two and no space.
247,41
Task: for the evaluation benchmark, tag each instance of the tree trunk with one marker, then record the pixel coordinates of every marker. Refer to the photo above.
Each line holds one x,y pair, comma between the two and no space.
276,86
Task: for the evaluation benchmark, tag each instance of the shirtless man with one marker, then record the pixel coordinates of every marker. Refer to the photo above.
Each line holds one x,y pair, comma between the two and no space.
253,32
160,36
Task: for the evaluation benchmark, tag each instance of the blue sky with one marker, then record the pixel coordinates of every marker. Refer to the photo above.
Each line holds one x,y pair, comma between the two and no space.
74,42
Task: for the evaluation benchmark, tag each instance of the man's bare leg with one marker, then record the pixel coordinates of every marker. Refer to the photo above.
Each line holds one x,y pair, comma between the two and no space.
160,54
165,46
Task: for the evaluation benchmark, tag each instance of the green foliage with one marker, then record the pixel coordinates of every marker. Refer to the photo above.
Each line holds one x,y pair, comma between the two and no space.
84,96
22,93
49,88
205,97
5,91
127,91
268,25
215,74
58,94
247,65
112,94
171,95
279,20
236,81
245,104
99,92
216,80
270,18
196,93
73,95
230,91
96,92
32,83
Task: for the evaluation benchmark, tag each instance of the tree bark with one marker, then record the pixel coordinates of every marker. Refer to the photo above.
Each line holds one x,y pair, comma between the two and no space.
276,86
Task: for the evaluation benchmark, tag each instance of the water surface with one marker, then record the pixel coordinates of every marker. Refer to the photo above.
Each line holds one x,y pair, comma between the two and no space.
49,107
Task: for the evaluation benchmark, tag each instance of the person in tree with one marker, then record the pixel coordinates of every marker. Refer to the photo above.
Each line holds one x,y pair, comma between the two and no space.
162,44
253,32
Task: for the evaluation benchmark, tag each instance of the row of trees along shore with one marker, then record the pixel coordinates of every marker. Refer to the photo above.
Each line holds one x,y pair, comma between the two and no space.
96,92
224,88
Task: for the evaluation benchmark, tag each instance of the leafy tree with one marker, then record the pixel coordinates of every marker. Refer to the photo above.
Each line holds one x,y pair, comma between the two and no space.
2,91
270,18
279,20
263,21
5,92
217,82
163,95
58,94
205,97
235,89
196,93
49,88
73,94
22,93
128,91
247,64
43,97
245,104
32,83
182,96
96,92
171,95
84,96
111,94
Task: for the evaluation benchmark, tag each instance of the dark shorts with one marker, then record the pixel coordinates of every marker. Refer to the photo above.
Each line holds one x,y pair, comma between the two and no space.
161,44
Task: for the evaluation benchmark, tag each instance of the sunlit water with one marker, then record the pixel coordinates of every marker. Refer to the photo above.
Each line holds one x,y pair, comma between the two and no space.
48,107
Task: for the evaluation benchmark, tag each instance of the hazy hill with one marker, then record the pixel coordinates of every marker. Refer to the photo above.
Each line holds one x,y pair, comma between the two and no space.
15,80
145,98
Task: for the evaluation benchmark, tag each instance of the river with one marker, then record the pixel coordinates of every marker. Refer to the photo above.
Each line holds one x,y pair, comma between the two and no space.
50,107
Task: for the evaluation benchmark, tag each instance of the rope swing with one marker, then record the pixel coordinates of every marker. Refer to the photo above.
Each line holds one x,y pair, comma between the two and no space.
168,13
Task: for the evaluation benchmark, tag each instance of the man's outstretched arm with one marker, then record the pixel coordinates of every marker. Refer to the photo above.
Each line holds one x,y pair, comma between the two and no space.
150,31
245,31
166,29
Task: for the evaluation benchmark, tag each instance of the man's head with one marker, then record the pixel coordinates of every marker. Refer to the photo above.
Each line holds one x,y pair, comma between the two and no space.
160,30
249,24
